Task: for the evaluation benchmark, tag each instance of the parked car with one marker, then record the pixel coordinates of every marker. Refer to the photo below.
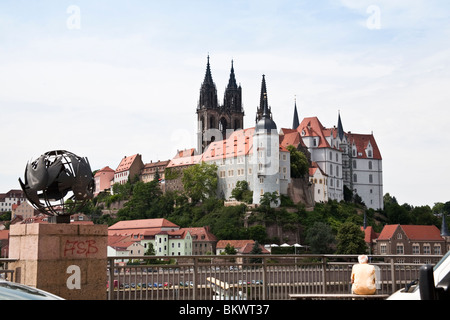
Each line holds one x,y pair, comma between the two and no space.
16,291
433,283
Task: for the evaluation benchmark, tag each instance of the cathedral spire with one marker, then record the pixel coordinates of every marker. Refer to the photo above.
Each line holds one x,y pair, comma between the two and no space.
208,77
208,91
232,101
232,82
295,122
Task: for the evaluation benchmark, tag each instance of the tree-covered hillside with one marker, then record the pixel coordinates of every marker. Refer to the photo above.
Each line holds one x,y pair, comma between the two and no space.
321,227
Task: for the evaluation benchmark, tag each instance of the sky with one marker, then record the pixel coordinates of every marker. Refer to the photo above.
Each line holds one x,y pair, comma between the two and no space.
106,79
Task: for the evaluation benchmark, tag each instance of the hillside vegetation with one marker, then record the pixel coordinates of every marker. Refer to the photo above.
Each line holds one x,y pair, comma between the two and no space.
320,227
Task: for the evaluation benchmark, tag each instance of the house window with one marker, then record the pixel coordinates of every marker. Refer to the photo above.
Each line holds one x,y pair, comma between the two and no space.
426,249
400,249
383,248
370,178
370,165
437,249
355,178
416,249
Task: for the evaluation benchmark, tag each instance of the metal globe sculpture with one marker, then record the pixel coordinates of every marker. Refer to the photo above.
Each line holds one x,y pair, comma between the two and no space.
58,183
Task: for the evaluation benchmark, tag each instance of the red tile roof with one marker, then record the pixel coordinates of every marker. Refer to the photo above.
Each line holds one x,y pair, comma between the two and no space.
413,232
4,234
312,127
369,234
241,246
104,170
140,226
126,163
361,141
291,137
239,143
201,233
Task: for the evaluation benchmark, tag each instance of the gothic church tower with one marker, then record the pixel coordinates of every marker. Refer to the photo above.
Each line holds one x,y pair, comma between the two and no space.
216,122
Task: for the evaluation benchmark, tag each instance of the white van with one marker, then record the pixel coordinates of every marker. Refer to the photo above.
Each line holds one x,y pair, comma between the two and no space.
433,283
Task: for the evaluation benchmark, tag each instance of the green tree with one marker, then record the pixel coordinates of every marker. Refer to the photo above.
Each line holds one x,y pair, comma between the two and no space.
241,192
200,181
144,202
268,198
256,249
257,233
229,250
299,162
320,238
350,239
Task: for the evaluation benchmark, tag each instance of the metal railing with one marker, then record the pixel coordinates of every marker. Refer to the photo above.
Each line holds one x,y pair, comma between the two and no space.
5,273
250,277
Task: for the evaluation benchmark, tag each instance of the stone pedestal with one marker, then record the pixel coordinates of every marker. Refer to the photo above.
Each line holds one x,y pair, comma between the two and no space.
68,260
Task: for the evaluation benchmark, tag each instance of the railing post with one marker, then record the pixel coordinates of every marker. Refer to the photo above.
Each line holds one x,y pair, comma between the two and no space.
195,278
324,274
393,275
110,264
264,278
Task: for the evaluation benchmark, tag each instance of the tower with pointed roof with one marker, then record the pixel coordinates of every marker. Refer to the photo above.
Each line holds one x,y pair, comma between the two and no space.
266,151
215,121
295,122
263,101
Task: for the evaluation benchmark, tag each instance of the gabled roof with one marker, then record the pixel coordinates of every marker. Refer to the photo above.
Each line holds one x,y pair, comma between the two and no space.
291,137
156,164
369,234
241,246
142,224
316,168
103,170
126,163
312,127
413,232
200,233
362,141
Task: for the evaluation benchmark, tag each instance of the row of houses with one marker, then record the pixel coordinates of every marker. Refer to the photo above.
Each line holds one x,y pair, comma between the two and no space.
129,168
133,238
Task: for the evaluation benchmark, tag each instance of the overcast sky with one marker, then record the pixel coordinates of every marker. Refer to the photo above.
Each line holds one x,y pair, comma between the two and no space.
106,79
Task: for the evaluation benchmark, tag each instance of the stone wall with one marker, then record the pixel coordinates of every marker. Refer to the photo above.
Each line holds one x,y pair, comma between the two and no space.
68,260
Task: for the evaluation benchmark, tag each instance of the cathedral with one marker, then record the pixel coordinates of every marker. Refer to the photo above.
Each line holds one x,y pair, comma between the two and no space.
215,120
259,155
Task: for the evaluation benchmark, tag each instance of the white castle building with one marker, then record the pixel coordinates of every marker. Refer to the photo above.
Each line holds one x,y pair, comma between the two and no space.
259,154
